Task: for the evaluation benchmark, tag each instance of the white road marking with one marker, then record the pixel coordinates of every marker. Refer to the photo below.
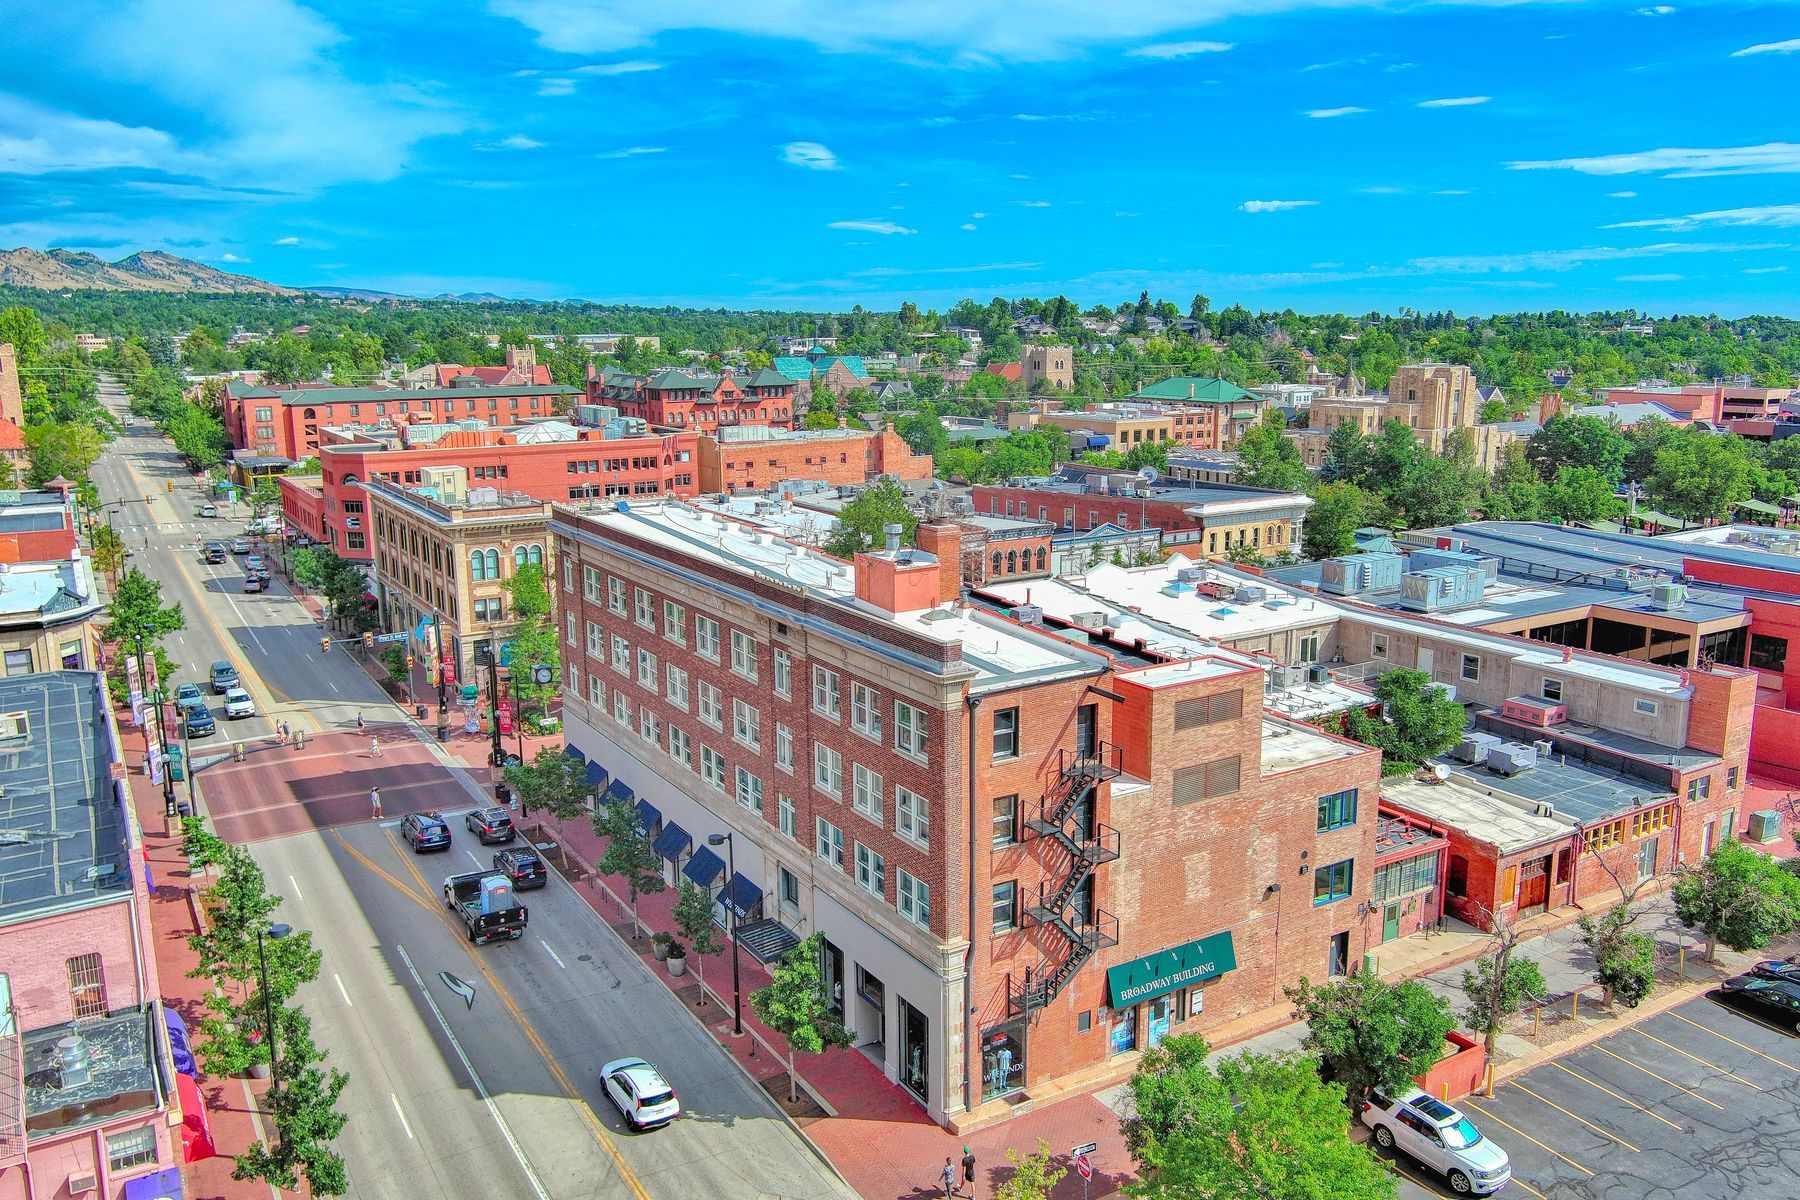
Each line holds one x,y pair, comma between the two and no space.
402,1115
473,859
296,884
537,1185
333,687
341,990
553,954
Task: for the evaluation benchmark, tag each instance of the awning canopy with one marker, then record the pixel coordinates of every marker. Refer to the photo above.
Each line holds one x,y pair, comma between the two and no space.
196,1134
672,842
741,896
618,790
704,868
179,1046
597,776
1757,506
574,752
648,813
163,1185
1649,516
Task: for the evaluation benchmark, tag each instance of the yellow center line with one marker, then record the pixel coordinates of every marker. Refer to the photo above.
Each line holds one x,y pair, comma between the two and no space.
364,859
1565,1112
1736,1042
1616,1096
1664,1078
550,1060
1490,1116
1726,1071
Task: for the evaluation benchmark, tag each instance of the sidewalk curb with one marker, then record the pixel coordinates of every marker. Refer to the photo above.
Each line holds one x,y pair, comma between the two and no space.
1626,1018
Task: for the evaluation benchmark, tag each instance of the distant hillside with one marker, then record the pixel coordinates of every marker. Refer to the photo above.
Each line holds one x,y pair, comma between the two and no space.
354,293
146,271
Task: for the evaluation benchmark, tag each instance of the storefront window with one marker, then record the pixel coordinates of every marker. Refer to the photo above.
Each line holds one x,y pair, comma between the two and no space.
833,971
1124,1030
1002,1060
1157,1017
915,1051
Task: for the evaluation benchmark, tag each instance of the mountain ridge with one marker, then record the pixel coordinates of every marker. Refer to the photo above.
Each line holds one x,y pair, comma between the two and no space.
58,269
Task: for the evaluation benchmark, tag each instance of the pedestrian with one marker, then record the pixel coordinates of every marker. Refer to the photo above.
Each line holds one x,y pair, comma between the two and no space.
375,804
969,1170
359,719
375,747
284,733
949,1178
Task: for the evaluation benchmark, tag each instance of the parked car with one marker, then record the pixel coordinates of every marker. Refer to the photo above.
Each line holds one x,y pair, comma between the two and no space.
523,867
224,677
262,573
208,510
189,692
492,825
425,831
240,545
1438,1136
1776,1000
254,583
214,552
199,719
239,704
1778,968
485,902
642,1096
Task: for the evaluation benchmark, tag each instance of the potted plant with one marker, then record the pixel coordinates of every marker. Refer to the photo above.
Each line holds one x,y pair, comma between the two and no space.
659,945
677,958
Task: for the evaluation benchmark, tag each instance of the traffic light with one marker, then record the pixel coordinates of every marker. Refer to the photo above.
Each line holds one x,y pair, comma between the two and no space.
368,641
409,662
325,645
168,485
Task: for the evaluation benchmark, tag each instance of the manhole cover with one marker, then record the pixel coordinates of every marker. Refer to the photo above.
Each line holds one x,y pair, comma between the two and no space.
584,958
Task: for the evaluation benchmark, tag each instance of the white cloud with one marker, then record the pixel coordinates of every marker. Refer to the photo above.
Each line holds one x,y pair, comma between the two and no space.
870,227
1455,102
1777,216
518,141
1663,277
556,87
35,140
1764,270
287,241
1771,158
810,155
978,216
229,257
967,225
1032,203
1658,10
1326,113
1788,47
1622,195
634,152
1177,49
1018,177
1382,189
1128,214
1029,117
1265,206
629,67
1451,192
978,268
1564,260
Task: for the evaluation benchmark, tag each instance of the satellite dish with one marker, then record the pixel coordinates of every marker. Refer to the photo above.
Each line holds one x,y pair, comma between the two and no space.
1147,474
1440,772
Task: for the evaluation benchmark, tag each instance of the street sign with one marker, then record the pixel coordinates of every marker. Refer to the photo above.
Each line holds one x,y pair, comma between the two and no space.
1084,1167
1086,1148
389,638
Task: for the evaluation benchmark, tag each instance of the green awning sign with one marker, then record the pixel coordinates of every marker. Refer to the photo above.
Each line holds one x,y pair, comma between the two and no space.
1166,970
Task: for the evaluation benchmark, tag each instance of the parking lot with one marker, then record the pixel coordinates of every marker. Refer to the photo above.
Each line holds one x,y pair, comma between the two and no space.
1699,1101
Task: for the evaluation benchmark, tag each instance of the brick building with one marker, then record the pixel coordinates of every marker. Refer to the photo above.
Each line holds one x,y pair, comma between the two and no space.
522,369
83,1042
755,457
696,400
1219,412
285,422
1044,366
551,460
1028,856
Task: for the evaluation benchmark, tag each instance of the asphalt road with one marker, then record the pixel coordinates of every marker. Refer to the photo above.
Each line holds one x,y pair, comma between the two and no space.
496,1099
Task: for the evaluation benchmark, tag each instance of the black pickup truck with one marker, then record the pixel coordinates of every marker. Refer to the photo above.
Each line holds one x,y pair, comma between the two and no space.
485,902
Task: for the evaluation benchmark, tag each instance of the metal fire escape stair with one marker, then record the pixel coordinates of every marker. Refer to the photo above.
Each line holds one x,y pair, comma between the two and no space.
1065,819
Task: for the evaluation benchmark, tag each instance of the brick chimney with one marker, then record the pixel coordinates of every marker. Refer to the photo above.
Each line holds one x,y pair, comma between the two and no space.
897,579
945,541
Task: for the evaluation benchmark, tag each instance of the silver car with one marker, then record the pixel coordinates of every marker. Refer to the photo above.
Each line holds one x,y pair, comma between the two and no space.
1438,1136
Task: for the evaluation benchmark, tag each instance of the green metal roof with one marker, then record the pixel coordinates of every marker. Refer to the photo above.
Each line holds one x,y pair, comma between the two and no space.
798,369
768,377
1196,389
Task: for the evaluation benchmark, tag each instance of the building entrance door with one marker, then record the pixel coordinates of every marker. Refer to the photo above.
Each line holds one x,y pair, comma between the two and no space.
1158,1024
1390,922
1534,886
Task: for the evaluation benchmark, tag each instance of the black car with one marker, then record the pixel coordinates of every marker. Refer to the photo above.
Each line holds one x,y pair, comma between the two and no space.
492,825
426,831
224,677
523,867
215,552
1778,968
199,719
1777,999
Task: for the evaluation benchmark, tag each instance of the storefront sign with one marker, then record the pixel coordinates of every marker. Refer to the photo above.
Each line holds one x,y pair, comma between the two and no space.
1165,970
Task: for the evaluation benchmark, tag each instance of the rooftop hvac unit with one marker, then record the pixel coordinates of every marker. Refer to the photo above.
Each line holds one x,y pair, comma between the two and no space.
1668,595
1544,808
1191,574
1544,748
1474,747
1540,714
1287,677
1028,614
1764,825
1089,620
1510,758
1448,689
1251,593
1318,674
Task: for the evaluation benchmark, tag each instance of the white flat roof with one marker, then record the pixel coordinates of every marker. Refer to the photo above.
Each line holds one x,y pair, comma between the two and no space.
1290,744
1504,824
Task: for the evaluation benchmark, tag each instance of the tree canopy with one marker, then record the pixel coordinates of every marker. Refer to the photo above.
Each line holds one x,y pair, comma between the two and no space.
1419,723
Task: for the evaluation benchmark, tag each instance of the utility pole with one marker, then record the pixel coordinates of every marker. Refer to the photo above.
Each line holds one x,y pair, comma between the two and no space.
443,674
497,756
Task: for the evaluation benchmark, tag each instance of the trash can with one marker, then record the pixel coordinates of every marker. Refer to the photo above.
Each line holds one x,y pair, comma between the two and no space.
443,733
503,794
421,710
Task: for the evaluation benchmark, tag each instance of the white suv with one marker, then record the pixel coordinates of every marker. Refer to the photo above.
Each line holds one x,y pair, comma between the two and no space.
1440,1137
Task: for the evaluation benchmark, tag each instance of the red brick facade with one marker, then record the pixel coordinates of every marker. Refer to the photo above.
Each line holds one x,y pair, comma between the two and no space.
696,400
285,422
1069,510
847,457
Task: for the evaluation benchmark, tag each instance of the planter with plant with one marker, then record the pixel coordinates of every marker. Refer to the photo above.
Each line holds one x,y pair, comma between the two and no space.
659,945
677,958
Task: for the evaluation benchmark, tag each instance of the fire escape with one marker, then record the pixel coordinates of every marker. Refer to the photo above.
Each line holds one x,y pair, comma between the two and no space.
1079,843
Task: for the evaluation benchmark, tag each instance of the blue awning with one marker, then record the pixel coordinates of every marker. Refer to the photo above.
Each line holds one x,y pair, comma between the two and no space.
574,752
597,776
704,868
619,790
163,1185
741,896
648,813
672,841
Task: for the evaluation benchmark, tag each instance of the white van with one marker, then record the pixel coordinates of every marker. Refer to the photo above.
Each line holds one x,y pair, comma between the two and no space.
1439,1136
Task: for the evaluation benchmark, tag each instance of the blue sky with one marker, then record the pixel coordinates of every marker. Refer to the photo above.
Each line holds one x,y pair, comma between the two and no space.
1323,154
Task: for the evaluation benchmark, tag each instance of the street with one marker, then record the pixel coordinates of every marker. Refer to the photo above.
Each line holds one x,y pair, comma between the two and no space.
498,1097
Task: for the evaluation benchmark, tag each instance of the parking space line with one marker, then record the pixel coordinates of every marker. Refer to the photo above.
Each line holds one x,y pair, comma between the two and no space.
1616,1096
1484,1112
1664,1078
1565,1112
1738,1044
1726,1071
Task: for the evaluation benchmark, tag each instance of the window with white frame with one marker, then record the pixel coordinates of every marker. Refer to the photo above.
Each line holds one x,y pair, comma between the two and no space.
784,674
865,792
828,770
909,730
675,622
131,1148
573,627
865,711
784,748
590,584
749,790
1378,645
615,595
1471,667
646,663
568,576
677,686
596,691
647,725
1644,707
596,640
784,809
621,708
572,679
746,724
712,767
913,899
706,638
710,705
680,749
743,654
645,608
912,820
828,842
871,871
1553,690
826,700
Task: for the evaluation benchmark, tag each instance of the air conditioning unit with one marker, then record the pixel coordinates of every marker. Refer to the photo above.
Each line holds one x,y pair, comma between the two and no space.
82,1183
1764,826
1530,710
1089,620
1668,596
1318,674
1544,808
1474,747
1448,689
1545,749
1251,593
1510,758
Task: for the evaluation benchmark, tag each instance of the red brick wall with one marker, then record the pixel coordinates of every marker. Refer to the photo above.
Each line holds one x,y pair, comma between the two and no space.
1087,510
297,435
853,458
36,954
1459,1072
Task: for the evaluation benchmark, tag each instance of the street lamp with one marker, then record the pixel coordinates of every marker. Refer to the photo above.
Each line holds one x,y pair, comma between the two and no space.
276,931
737,986
488,656
162,735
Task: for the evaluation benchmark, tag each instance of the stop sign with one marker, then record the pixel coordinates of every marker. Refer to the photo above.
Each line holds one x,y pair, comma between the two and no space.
1084,1166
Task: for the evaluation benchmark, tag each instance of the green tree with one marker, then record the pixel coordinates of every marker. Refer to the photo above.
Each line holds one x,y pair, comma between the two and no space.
1566,441
305,567
924,431
136,608
1700,477
794,1005
1338,511
861,524
528,591
1737,896
342,583
533,643
694,917
68,450
1421,721
1251,1128
1346,455
303,1105
1034,1176
1499,985
1624,960
629,853
819,419
198,436
1580,494
1269,458
1373,1034
108,550
266,495
1243,554
393,661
